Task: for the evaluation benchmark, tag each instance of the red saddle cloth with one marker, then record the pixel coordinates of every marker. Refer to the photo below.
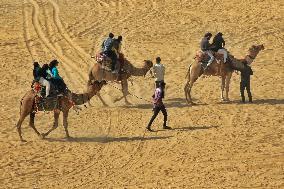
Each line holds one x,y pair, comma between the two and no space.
105,61
101,57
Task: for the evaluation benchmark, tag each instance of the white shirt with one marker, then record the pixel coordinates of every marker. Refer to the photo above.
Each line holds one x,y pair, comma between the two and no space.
159,72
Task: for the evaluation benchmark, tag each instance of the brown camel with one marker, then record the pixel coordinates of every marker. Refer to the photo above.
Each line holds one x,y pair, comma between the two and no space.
219,69
98,73
29,107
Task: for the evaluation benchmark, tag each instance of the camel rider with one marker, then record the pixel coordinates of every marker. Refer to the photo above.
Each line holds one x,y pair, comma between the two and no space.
36,71
159,72
55,78
206,48
219,44
108,50
41,76
117,45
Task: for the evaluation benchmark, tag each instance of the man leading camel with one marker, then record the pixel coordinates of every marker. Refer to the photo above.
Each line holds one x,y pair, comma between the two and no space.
245,82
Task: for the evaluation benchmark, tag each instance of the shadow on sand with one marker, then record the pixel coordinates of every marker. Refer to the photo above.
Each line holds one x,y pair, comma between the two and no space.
194,128
106,139
188,128
169,103
257,102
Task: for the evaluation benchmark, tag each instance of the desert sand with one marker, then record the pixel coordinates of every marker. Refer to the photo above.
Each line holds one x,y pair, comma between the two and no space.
212,144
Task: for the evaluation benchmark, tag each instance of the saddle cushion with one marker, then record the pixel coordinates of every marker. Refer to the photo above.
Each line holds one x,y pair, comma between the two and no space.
204,57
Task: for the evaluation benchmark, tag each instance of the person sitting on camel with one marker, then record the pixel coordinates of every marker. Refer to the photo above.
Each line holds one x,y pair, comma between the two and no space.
219,44
108,50
206,48
40,76
55,78
117,47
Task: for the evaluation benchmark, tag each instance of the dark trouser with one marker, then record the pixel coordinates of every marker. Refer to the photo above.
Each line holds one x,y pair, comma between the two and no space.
245,85
113,57
158,83
60,85
156,111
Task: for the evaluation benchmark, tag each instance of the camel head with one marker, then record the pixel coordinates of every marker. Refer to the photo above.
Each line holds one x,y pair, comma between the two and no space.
254,50
148,64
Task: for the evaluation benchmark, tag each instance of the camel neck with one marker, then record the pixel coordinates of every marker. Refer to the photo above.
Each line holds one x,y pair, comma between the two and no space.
139,71
82,98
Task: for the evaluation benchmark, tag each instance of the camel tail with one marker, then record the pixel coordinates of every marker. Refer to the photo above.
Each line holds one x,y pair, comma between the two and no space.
188,72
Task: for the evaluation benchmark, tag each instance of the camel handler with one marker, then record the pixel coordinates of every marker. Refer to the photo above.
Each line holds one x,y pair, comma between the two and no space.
159,106
245,82
159,72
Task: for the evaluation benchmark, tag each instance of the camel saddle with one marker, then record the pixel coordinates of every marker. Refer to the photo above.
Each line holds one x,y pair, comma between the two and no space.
203,57
49,103
106,61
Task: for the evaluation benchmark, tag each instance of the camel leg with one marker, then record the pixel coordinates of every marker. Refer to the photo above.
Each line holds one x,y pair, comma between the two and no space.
55,124
222,88
228,79
65,123
186,91
101,99
124,85
32,123
189,85
19,125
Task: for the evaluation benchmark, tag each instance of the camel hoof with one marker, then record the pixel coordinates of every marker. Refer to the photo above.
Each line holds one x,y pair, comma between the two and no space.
191,103
128,103
225,100
43,135
116,100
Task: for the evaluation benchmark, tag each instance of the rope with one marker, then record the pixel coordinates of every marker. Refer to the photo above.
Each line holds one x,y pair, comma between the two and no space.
130,93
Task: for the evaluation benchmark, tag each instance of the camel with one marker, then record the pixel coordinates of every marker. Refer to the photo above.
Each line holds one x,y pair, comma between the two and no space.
219,69
29,107
98,73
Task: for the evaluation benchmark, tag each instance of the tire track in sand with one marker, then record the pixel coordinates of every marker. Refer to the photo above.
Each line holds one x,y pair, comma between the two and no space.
27,37
66,69
46,41
85,57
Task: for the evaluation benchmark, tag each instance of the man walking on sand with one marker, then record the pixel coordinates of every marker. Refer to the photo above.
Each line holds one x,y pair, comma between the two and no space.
159,106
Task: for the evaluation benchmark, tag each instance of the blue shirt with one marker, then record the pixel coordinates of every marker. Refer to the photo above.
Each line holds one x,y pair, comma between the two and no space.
107,44
55,73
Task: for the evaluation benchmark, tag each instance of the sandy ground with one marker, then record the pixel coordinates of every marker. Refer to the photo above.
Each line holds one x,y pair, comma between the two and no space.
212,145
